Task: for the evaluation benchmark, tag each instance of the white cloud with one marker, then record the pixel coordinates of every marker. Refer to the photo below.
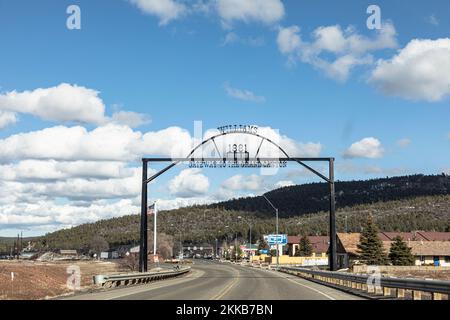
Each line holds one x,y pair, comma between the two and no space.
247,185
239,186
290,146
120,143
7,118
71,143
62,176
365,148
240,182
165,10
42,170
265,11
64,102
420,71
403,143
229,11
244,95
189,183
107,143
347,48
431,19
130,118
33,185
232,38
284,183
288,40
349,168
49,215
174,203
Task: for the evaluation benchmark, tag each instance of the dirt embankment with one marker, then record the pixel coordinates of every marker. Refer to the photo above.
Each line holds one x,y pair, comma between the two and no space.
40,280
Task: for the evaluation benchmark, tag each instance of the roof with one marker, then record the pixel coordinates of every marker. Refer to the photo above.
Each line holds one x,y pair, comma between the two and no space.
62,251
134,249
415,236
407,236
430,248
350,241
435,236
320,244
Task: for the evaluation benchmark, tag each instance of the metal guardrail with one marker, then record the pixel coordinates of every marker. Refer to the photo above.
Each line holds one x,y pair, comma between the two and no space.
378,286
109,281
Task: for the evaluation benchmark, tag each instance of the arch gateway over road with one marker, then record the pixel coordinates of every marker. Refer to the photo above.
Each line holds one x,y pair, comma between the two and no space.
237,157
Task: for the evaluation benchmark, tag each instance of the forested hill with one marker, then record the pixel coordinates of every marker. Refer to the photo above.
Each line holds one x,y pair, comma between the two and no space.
312,198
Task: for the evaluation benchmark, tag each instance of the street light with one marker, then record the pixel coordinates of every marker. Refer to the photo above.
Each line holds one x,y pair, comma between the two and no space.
235,246
217,249
181,243
250,236
276,213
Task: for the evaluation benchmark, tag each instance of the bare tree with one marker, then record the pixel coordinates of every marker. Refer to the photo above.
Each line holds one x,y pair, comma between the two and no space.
164,245
130,262
98,244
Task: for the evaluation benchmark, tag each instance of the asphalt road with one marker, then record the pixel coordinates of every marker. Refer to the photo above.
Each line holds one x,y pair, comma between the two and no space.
224,281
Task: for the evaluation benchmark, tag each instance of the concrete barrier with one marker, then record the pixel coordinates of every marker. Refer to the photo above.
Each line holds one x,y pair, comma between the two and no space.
109,281
383,285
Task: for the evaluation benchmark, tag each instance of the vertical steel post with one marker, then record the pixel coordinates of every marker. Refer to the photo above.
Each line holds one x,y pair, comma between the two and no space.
143,255
278,254
235,248
332,250
250,254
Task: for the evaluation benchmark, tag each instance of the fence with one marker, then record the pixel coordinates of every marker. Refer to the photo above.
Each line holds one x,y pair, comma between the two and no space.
109,281
382,286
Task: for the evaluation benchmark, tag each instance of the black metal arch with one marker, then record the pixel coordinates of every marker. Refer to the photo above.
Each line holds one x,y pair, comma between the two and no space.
143,253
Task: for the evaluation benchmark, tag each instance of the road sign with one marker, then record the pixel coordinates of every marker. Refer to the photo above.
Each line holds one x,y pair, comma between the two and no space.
271,239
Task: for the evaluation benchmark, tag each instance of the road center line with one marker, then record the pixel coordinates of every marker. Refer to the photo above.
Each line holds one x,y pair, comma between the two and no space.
229,287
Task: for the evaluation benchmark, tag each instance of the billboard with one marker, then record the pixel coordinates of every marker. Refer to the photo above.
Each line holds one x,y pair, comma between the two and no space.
271,239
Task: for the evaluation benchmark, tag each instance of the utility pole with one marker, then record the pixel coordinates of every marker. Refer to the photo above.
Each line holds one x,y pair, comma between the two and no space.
143,254
154,231
217,248
181,242
333,249
276,214
250,235
235,248
278,254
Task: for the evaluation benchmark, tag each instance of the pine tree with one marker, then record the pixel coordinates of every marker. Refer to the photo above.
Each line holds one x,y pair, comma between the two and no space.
370,247
400,254
305,248
262,245
447,228
236,253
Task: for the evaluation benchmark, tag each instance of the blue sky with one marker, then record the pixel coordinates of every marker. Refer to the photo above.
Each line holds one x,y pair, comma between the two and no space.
388,118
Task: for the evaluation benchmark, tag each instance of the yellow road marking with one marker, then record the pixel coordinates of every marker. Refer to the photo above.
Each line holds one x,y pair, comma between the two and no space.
227,288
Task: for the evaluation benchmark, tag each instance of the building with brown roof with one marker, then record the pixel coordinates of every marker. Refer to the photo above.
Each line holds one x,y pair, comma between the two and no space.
319,244
424,248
